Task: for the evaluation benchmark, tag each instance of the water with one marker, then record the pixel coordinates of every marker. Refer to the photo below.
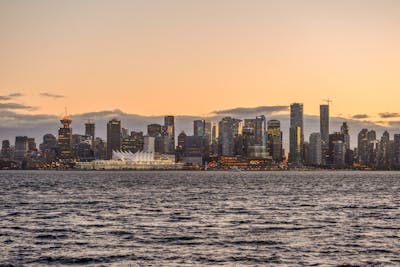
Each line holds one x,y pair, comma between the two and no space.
199,218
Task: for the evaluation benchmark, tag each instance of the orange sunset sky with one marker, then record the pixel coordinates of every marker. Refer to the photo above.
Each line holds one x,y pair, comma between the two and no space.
193,57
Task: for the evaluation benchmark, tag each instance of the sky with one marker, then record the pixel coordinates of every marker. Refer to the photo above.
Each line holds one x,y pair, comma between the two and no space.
196,57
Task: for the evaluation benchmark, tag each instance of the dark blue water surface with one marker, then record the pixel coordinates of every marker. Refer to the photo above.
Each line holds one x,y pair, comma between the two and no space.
199,218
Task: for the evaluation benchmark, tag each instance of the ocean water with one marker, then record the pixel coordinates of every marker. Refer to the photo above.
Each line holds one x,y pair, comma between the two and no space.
199,218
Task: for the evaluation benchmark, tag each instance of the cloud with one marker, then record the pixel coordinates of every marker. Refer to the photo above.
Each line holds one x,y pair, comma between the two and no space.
250,111
16,106
394,123
54,96
10,96
360,116
386,115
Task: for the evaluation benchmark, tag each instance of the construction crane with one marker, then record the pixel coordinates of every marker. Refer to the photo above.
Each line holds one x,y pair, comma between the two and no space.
328,101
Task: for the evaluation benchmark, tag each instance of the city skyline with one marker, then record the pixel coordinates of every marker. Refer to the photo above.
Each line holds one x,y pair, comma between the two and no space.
229,53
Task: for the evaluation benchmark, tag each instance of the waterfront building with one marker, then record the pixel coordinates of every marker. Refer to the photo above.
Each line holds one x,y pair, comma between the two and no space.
90,129
274,140
296,138
169,135
64,142
337,150
199,128
21,147
6,149
154,130
315,149
113,136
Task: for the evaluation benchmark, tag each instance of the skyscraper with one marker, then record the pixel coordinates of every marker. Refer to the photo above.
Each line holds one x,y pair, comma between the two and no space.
226,136
324,123
6,149
199,127
64,142
296,139
337,150
169,135
260,131
113,136
154,130
21,147
90,129
315,153
344,129
274,140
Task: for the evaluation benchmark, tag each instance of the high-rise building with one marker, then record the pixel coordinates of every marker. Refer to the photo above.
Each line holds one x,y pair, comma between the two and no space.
226,136
337,150
64,143
260,132
344,129
296,139
315,149
154,130
362,147
324,123
169,135
49,147
383,151
149,144
274,140
396,151
199,128
90,129
113,136
6,149
21,147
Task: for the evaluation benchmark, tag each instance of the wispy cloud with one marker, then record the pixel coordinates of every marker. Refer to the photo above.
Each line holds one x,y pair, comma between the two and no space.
10,96
360,116
13,106
54,96
250,111
386,115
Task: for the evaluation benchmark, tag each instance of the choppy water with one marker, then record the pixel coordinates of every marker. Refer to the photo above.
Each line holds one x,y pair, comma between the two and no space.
199,218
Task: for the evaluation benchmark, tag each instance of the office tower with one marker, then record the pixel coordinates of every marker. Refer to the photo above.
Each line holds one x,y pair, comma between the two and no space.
226,136
195,150
396,151
6,149
100,149
21,147
32,145
199,128
372,149
49,147
296,139
362,147
154,130
64,142
324,123
274,140
138,140
337,150
260,131
383,151
149,144
315,149
180,148
113,137
169,135
214,138
124,132
90,129
344,129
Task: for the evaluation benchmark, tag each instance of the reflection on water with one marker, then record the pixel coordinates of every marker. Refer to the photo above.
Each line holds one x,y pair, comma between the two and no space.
199,218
